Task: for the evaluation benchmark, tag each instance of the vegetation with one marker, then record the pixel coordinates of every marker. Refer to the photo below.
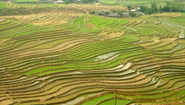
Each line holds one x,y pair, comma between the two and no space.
53,54
131,2
171,6
25,1
180,19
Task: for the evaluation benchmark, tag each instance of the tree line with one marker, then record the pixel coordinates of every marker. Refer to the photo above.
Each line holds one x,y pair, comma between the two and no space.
171,6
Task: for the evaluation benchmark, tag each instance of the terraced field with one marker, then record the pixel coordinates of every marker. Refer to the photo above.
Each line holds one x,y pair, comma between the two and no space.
73,58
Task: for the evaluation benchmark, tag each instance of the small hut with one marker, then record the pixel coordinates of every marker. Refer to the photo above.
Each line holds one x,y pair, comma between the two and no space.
112,14
60,2
125,14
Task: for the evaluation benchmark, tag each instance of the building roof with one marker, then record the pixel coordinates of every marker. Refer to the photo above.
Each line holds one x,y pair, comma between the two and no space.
112,14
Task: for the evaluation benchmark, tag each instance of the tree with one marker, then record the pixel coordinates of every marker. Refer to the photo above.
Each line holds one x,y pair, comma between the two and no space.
146,10
154,8
88,1
143,9
165,9
176,6
107,13
129,7
69,1
119,12
92,12
132,14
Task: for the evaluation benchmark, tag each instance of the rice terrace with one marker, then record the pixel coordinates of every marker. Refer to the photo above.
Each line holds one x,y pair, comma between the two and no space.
92,52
